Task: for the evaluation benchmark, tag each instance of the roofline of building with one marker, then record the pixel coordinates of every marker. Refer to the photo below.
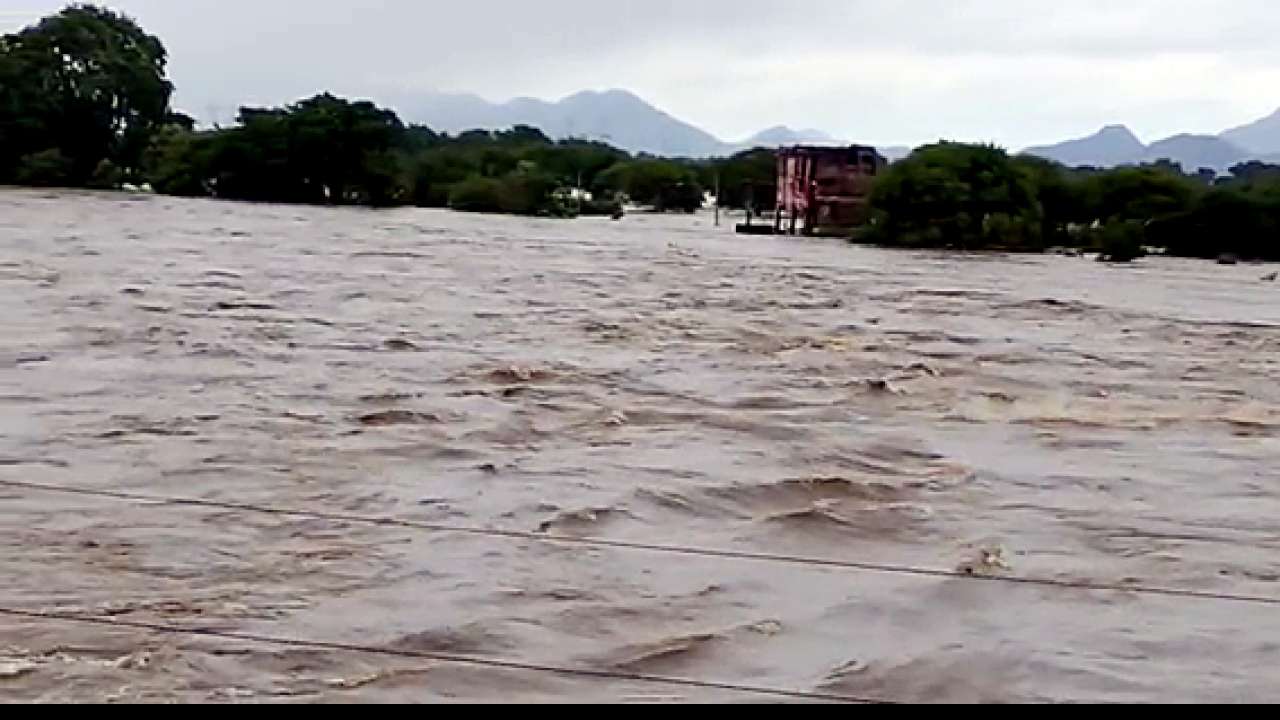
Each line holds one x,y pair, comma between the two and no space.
828,149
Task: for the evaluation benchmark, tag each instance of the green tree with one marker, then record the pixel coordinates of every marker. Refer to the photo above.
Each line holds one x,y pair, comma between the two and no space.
957,196
323,150
1062,197
750,177
177,162
575,163
1241,220
106,176
337,148
476,194
522,135
88,82
1139,193
433,173
525,191
47,168
1119,241
664,185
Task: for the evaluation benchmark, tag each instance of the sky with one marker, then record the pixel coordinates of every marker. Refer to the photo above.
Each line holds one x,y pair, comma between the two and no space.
1015,72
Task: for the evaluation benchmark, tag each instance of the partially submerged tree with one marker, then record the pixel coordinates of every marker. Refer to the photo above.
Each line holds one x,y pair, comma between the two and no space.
959,196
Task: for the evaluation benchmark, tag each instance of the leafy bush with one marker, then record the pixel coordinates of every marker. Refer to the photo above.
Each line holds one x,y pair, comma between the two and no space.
47,168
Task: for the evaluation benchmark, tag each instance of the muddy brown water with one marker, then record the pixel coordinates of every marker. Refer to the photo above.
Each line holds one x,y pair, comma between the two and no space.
654,380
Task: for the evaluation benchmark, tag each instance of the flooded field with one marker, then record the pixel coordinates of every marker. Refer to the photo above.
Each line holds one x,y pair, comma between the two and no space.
656,380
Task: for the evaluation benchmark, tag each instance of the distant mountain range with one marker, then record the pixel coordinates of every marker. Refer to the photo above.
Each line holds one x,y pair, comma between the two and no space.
1117,145
782,135
617,117
1261,137
627,121
1112,145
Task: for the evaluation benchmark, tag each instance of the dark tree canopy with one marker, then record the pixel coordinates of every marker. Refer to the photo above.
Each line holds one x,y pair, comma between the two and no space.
87,83
974,197
328,150
664,185
1140,193
749,178
958,196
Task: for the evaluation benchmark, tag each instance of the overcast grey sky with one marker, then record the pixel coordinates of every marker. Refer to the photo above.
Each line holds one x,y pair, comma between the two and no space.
1018,72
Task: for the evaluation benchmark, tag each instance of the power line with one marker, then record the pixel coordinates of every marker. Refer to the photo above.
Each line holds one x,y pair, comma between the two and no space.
721,554
443,657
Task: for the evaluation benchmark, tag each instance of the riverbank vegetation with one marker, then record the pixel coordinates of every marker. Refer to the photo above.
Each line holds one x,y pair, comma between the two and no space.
972,197
85,102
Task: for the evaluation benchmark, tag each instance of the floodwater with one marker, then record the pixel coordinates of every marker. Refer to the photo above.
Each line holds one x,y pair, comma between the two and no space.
656,380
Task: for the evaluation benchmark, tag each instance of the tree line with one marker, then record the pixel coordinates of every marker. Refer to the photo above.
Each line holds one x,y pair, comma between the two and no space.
974,197
85,102
329,150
